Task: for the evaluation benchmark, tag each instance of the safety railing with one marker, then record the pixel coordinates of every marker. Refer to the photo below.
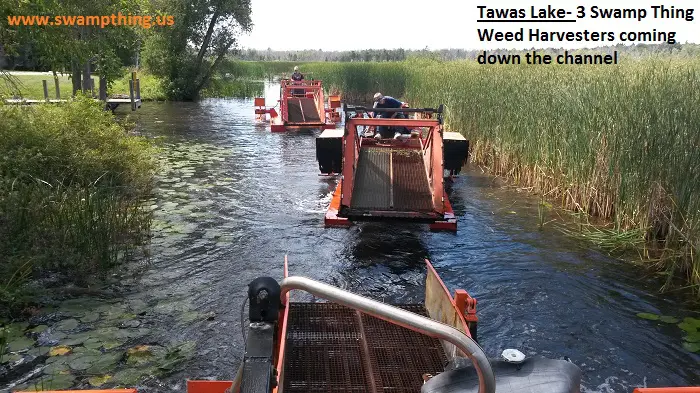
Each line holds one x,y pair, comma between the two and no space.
398,316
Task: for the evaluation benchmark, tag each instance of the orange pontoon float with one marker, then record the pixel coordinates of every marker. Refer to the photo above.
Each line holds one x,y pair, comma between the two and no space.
392,179
354,344
302,106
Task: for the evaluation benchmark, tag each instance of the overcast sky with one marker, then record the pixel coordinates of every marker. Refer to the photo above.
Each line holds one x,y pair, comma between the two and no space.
413,24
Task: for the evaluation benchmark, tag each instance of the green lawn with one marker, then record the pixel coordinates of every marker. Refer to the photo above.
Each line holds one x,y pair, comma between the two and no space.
31,87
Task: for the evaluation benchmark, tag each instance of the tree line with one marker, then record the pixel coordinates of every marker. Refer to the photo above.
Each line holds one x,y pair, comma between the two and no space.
381,55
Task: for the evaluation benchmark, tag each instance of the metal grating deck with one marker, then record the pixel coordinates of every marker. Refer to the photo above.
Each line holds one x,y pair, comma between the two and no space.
302,110
391,179
331,348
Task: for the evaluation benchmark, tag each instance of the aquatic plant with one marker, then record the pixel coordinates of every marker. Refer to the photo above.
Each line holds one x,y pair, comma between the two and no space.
71,184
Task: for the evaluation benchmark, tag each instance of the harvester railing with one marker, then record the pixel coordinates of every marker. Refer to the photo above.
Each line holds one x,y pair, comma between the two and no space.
301,89
430,145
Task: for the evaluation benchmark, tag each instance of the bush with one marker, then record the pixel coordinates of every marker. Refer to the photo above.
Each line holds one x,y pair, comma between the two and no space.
71,184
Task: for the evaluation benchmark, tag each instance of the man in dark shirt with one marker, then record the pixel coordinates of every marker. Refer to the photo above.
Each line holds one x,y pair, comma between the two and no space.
297,77
381,101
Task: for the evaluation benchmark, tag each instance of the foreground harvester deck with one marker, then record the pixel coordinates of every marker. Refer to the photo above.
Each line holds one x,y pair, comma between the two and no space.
302,105
354,344
391,179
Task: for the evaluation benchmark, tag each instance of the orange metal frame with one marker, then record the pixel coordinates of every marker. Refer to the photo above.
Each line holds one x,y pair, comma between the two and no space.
462,302
432,147
290,89
328,115
456,300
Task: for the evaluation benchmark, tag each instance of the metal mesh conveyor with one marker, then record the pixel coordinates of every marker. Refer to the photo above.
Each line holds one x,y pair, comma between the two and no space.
302,110
391,179
331,348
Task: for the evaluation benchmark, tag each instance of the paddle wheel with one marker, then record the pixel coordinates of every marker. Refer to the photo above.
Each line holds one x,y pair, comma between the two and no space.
301,105
392,179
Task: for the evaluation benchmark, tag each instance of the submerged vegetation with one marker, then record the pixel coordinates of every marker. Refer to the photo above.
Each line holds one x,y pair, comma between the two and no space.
618,143
71,185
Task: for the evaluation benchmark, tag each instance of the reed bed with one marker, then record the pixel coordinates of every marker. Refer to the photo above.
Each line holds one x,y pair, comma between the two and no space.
621,143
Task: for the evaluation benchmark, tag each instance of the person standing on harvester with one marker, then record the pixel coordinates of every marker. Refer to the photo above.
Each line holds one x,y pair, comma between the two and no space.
388,102
297,76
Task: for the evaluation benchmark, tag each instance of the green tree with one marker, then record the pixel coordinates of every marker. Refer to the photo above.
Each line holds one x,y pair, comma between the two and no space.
71,47
188,52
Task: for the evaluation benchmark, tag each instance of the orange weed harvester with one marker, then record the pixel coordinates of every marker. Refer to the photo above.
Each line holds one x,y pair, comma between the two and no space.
354,344
399,178
302,106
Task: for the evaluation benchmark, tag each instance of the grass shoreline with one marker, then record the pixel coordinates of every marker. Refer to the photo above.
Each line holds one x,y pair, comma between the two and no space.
30,86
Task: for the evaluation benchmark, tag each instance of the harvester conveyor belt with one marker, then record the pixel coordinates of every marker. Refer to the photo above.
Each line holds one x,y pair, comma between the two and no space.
391,179
331,348
302,110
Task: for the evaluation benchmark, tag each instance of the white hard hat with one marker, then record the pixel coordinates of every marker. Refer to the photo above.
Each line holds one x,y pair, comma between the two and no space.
378,97
296,68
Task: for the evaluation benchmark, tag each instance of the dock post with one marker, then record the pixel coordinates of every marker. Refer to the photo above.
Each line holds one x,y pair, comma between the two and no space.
131,94
58,89
138,91
103,89
86,78
46,90
75,77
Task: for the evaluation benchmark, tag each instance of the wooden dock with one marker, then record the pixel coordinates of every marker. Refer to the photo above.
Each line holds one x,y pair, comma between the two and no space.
134,98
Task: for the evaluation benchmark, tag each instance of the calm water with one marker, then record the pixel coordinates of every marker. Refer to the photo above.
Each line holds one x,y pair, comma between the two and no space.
234,199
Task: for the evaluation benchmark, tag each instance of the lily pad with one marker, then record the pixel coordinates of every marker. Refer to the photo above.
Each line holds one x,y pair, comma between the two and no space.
15,329
111,345
90,317
60,350
92,343
105,363
83,362
86,351
10,358
76,339
651,317
113,312
66,325
143,354
50,338
691,347
98,381
39,351
54,382
138,306
131,376
692,322
56,368
137,333
688,327
133,323
692,337
19,343
668,319
38,329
